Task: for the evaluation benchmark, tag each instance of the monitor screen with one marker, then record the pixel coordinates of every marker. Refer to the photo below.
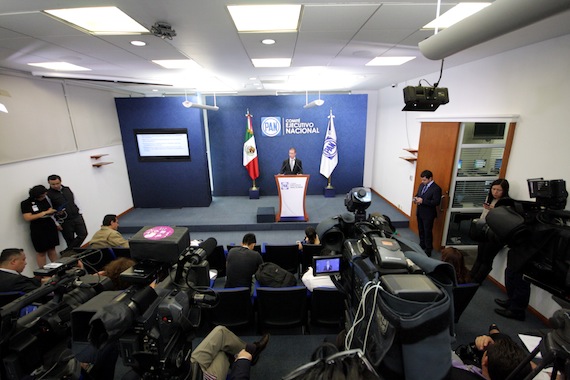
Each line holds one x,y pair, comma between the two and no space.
168,144
326,265
459,164
480,164
498,163
489,131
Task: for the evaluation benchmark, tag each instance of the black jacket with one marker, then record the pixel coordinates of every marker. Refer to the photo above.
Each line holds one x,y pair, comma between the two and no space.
286,168
10,282
430,200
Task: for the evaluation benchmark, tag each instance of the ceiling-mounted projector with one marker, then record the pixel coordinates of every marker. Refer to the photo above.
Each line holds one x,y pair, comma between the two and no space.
424,98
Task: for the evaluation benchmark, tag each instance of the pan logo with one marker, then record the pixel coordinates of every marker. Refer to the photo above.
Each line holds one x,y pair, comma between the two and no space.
271,126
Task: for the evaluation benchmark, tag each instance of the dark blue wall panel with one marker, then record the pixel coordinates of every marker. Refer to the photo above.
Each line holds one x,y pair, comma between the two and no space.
165,184
227,132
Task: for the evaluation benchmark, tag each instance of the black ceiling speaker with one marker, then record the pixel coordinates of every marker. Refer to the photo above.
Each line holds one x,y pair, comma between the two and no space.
424,98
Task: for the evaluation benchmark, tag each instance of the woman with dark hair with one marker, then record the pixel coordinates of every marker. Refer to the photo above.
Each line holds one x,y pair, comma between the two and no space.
488,248
311,237
38,211
455,257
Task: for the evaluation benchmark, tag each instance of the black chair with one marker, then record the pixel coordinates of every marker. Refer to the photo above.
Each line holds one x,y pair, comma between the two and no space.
7,297
309,250
327,307
217,261
234,310
462,295
281,308
286,256
97,260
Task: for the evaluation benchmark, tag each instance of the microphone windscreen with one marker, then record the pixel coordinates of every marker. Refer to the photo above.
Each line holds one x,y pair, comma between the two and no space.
209,245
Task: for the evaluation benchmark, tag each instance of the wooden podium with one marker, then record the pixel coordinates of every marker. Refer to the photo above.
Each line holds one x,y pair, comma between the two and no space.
292,190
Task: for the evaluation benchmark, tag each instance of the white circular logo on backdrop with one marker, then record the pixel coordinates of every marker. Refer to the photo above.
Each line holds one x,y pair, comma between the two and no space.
271,126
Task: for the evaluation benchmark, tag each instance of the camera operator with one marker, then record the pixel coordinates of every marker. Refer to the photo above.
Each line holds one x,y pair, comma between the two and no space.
12,264
494,357
214,352
488,248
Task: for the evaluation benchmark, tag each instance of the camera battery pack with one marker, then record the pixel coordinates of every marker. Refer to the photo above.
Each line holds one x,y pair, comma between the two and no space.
412,287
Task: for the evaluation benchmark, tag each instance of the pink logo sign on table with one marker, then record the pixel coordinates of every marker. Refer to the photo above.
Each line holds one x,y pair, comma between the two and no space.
158,232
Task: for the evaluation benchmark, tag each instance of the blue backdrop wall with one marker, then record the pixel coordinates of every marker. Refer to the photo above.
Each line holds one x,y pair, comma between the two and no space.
165,184
301,128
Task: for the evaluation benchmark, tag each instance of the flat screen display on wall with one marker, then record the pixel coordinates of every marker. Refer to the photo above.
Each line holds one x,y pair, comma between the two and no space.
168,144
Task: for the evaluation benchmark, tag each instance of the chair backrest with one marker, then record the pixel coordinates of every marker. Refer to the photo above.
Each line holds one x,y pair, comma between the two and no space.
7,297
286,256
217,261
282,307
309,250
327,306
462,295
96,262
234,308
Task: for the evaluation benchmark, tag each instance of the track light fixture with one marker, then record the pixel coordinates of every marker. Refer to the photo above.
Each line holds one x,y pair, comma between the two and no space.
315,103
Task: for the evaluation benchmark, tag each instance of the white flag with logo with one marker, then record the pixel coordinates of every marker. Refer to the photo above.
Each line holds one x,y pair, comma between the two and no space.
329,159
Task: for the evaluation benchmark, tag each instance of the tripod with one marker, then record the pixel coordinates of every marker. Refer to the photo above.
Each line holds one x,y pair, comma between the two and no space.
555,349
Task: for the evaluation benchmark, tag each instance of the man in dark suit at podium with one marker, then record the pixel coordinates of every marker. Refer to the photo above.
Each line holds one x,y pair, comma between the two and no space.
292,165
427,199
12,264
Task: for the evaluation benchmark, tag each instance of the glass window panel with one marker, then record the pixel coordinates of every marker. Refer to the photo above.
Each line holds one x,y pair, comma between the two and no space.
480,162
459,225
470,193
485,133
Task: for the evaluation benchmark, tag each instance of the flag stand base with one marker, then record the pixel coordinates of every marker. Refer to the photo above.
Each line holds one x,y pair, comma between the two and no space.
329,192
254,193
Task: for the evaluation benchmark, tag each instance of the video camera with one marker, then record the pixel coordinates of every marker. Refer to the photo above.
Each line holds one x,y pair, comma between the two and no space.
390,292
154,327
538,235
38,342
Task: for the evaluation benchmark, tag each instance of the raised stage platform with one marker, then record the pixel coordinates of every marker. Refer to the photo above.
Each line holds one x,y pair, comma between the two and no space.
241,214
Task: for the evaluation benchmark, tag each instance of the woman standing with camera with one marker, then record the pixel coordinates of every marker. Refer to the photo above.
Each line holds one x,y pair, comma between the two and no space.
490,245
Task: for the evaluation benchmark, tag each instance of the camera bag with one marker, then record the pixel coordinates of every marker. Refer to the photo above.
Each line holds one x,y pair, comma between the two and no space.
272,275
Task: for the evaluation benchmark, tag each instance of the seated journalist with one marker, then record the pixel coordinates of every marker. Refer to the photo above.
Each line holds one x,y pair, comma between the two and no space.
108,236
221,350
12,264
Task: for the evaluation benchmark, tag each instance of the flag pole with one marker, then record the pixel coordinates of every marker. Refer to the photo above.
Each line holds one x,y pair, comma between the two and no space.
329,186
253,187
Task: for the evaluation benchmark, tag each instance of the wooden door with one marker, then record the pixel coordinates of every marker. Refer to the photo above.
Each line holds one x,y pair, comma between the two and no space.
436,152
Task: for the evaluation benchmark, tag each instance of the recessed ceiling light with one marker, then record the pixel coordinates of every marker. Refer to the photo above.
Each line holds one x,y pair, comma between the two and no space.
455,14
177,63
258,18
268,41
138,43
252,78
154,90
389,61
271,62
99,20
60,66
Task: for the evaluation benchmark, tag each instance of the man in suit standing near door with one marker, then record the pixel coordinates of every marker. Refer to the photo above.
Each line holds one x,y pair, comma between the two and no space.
292,165
427,199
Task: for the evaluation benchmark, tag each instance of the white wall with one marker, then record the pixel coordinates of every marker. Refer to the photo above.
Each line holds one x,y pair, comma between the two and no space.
99,191
531,82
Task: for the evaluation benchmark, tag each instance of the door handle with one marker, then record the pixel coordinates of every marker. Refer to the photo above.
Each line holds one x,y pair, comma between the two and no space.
441,208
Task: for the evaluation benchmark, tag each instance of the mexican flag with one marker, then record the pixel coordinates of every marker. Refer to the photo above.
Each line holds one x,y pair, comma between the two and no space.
250,151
